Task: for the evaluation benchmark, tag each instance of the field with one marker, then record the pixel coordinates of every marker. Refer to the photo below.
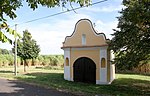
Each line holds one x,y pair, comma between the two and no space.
123,85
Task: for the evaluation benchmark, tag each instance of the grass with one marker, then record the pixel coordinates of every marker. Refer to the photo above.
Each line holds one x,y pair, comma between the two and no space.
123,85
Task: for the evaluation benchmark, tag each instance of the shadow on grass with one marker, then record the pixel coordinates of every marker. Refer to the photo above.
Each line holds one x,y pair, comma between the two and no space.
4,71
134,73
132,86
121,86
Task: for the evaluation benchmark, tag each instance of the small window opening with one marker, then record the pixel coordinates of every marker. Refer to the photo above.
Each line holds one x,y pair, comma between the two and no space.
83,39
67,62
103,63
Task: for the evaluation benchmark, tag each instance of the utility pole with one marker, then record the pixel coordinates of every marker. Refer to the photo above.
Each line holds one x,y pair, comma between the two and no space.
15,55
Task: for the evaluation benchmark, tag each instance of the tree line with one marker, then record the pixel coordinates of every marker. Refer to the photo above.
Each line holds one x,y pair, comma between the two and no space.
42,60
5,51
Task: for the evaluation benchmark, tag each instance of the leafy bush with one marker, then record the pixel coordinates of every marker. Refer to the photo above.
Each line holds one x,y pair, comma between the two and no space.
51,60
6,60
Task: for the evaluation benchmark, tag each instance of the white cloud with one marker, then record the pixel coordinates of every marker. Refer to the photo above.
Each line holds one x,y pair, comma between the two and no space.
106,27
5,46
51,35
109,8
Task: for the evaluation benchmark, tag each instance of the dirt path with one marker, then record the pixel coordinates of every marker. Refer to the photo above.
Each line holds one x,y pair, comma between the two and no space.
15,88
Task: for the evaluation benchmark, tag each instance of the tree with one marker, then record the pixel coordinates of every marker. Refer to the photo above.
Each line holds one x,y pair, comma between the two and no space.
4,51
131,42
27,48
8,8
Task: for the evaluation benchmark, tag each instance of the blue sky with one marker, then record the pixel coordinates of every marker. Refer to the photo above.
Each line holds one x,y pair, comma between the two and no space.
51,32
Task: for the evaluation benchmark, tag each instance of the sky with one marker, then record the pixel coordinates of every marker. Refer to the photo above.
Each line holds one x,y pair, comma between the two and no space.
51,32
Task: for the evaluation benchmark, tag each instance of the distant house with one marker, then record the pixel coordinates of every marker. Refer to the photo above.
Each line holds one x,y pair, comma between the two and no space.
87,57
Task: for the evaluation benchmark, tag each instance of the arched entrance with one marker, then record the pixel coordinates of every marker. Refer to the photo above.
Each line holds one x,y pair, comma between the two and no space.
84,70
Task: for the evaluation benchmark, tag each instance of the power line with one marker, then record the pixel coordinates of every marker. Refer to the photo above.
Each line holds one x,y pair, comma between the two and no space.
15,56
60,13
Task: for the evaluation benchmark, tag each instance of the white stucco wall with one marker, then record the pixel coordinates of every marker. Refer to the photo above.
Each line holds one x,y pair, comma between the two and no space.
67,73
67,54
112,70
103,71
66,68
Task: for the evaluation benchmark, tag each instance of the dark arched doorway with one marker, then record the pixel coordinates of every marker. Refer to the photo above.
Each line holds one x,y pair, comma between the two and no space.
84,70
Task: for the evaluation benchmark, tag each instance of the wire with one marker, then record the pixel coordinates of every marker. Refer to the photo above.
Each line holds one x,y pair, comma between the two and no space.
73,9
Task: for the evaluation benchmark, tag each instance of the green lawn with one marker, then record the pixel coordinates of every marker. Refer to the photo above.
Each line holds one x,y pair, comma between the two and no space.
123,85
